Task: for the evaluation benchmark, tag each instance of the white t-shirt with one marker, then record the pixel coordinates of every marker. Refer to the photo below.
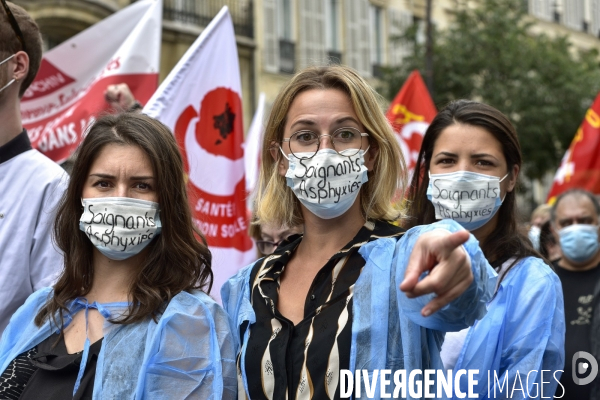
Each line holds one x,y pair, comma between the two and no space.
31,186
454,341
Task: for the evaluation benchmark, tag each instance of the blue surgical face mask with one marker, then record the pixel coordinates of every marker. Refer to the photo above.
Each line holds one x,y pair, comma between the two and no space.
469,198
328,183
120,227
579,242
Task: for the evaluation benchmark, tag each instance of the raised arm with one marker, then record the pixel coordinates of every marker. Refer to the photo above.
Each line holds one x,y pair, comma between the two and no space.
445,281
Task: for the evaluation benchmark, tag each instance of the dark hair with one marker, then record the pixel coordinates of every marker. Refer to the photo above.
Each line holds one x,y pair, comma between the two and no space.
575,193
178,259
506,240
547,239
9,43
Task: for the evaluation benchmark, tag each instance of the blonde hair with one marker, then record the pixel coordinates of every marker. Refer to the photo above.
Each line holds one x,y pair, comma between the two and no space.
276,203
542,211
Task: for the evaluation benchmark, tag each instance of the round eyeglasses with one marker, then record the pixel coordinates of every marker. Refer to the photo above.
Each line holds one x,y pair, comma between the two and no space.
267,247
346,141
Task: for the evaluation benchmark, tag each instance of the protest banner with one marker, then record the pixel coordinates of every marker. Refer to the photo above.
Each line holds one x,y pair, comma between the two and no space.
580,166
410,113
200,100
253,148
69,88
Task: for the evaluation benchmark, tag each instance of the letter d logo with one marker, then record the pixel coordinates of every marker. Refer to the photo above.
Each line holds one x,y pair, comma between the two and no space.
583,367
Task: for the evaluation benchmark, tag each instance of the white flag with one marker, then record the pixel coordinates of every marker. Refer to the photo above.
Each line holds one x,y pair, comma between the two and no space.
68,90
253,148
201,101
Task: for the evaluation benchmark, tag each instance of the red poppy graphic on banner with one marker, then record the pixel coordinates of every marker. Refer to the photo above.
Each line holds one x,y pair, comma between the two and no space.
201,102
219,209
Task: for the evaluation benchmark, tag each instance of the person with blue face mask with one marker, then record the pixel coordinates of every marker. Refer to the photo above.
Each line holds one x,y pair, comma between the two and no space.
130,315
574,220
467,171
353,291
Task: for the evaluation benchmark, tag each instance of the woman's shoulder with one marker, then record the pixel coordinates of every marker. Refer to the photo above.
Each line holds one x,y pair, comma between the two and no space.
37,299
22,327
193,302
530,270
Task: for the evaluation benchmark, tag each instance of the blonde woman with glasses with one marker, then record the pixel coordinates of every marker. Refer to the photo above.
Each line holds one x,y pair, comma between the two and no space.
354,292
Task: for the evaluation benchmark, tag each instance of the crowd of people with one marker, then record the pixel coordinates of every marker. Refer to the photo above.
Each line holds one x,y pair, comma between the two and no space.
106,279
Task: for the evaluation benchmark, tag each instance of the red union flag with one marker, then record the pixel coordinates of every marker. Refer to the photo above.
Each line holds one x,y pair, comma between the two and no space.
410,114
68,90
580,166
201,102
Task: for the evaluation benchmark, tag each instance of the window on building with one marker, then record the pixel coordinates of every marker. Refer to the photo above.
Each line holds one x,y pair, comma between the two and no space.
287,48
399,21
542,9
595,17
333,26
377,39
357,36
279,45
574,13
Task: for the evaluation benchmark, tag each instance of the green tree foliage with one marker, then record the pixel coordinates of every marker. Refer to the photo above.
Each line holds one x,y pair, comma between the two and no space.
491,54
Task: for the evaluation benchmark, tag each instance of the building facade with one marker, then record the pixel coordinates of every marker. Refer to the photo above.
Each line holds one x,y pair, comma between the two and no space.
277,37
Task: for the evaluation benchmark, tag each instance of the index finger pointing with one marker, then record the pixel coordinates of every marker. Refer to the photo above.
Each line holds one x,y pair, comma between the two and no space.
427,253
447,244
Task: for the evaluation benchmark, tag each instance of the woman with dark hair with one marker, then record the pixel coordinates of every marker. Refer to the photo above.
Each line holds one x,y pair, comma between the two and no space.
128,316
467,171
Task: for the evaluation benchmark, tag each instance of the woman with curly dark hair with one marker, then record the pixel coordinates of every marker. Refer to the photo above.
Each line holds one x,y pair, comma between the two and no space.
128,317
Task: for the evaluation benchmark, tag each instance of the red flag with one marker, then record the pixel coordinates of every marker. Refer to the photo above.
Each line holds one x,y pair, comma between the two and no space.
201,101
580,166
68,90
410,114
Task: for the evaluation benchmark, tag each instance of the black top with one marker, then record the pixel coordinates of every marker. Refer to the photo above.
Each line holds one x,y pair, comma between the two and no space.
281,357
16,375
50,370
16,146
578,289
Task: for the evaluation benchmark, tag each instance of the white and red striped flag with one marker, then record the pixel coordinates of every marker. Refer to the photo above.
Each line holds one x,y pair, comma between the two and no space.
201,101
69,88
253,148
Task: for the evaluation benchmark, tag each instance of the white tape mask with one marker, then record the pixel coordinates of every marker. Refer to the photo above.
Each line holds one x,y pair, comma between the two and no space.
120,227
328,183
12,80
469,198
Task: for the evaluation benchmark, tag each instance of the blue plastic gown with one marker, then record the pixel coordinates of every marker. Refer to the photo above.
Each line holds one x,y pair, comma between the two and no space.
523,331
189,353
388,331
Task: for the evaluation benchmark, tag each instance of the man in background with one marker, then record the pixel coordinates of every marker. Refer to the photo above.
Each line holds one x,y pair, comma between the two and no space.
31,185
575,218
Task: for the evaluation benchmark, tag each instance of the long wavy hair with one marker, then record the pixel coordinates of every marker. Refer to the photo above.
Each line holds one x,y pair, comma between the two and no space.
276,203
506,240
178,259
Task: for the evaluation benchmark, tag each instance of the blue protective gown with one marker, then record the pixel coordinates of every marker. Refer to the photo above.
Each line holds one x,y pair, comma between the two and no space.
388,331
522,334
189,353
